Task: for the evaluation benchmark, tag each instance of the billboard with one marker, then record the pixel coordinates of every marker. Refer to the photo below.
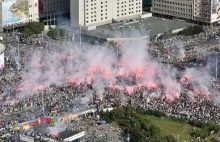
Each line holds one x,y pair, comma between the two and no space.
2,61
14,11
214,6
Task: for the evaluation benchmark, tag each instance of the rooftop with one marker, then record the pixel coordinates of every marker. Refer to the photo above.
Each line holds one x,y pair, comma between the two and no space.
66,134
150,26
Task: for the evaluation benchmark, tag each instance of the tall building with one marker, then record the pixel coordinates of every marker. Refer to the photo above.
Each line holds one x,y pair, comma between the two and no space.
47,10
100,12
1,16
176,8
33,10
147,3
206,11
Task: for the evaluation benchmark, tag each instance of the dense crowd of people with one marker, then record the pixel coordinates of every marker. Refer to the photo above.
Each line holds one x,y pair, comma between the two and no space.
57,100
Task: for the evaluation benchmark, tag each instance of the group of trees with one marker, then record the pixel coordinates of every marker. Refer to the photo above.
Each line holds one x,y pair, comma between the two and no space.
202,129
57,33
32,28
135,123
191,30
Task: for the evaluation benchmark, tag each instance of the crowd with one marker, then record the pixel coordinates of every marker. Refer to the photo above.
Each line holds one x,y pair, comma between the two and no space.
175,52
60,100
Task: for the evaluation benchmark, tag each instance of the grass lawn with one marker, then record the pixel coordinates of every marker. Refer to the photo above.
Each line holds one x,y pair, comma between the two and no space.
169,127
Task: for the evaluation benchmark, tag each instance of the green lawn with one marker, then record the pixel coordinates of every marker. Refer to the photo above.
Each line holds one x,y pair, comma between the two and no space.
169,127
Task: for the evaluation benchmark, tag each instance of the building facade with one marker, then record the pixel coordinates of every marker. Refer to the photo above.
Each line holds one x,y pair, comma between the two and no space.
176,8
54,7
147,3
205,11
100,12
47,10
33,10
1,16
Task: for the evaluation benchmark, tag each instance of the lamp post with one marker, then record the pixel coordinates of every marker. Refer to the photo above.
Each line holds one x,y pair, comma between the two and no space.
42,36
42,99
216,66
117,58
80,38
80,25
17,38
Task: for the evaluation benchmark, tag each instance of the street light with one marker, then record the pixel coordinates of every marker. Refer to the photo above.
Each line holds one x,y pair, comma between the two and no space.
17,38
80,34
42,99
216,66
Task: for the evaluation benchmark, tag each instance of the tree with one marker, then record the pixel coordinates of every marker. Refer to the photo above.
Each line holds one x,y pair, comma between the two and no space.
35,27
28,32
50,32
170,138
136,135
56,34
191,30
198,133
63,33
154,130
156,138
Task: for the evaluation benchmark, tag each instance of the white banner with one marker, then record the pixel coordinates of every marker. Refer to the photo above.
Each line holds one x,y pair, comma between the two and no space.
2,61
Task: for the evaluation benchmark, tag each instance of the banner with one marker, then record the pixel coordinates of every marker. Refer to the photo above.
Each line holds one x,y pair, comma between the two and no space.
51,120
2,61
14,11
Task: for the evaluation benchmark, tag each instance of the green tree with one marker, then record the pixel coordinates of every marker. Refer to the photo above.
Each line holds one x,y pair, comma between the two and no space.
32,28
154,130
50,32
136,135
170,138
156,138
28,32
56,34
63,33
191,30
198,133
35,27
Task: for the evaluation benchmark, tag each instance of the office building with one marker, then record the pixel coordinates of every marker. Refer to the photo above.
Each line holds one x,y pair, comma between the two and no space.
33,10
205,11
99,12
47,10
147,3
176,8
1,16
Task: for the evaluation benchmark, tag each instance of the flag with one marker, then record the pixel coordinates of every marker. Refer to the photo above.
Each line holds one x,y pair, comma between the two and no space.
148,100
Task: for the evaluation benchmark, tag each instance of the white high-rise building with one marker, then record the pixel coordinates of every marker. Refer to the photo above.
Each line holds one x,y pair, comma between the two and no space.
0,16
206,11
100,12
33,10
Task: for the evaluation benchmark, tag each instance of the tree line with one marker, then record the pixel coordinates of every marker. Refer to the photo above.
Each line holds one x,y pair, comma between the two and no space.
136,124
